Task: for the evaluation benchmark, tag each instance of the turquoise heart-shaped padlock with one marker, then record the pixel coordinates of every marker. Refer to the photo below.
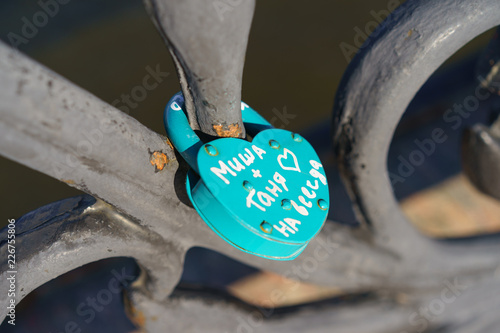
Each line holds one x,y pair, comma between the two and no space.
268,197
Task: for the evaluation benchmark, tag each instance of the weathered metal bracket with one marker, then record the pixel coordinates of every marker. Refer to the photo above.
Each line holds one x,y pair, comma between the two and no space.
68,234
481,157
481,145
207,40
378,85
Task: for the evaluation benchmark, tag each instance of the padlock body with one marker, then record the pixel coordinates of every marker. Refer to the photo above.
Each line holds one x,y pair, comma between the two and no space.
272,192
232,230
268,197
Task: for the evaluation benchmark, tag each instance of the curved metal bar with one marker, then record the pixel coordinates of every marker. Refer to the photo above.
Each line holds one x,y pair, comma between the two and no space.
351,260
461,317
378,86
207,40
481,157
50,125
69,134
62,236
212,313
488,66
338,257
135,170
444,309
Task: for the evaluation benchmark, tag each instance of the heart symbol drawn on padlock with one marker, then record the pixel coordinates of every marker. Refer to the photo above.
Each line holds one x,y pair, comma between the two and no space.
268,197
285,154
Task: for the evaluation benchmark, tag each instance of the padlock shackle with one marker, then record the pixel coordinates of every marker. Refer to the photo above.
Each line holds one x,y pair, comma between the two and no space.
185,139
253,121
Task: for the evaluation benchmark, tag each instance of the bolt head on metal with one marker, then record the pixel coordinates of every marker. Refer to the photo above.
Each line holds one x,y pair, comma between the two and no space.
285,203
211,150
266,227
247,185
274,144
322,204
296,137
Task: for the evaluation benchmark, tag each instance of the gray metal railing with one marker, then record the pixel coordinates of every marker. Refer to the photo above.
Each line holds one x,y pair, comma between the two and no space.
138,211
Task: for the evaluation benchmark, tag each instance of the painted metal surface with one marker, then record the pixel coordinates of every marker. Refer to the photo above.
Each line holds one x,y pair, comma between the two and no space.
481,157
488,67
207,41
481,144
377,87
268,197
149,219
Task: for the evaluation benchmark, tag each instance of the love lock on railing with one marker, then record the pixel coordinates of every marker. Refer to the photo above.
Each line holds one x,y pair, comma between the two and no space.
268,197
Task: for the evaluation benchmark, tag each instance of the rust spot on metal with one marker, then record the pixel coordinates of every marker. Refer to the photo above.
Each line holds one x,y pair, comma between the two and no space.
158,160
228,131
170,143
69,181
136,316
